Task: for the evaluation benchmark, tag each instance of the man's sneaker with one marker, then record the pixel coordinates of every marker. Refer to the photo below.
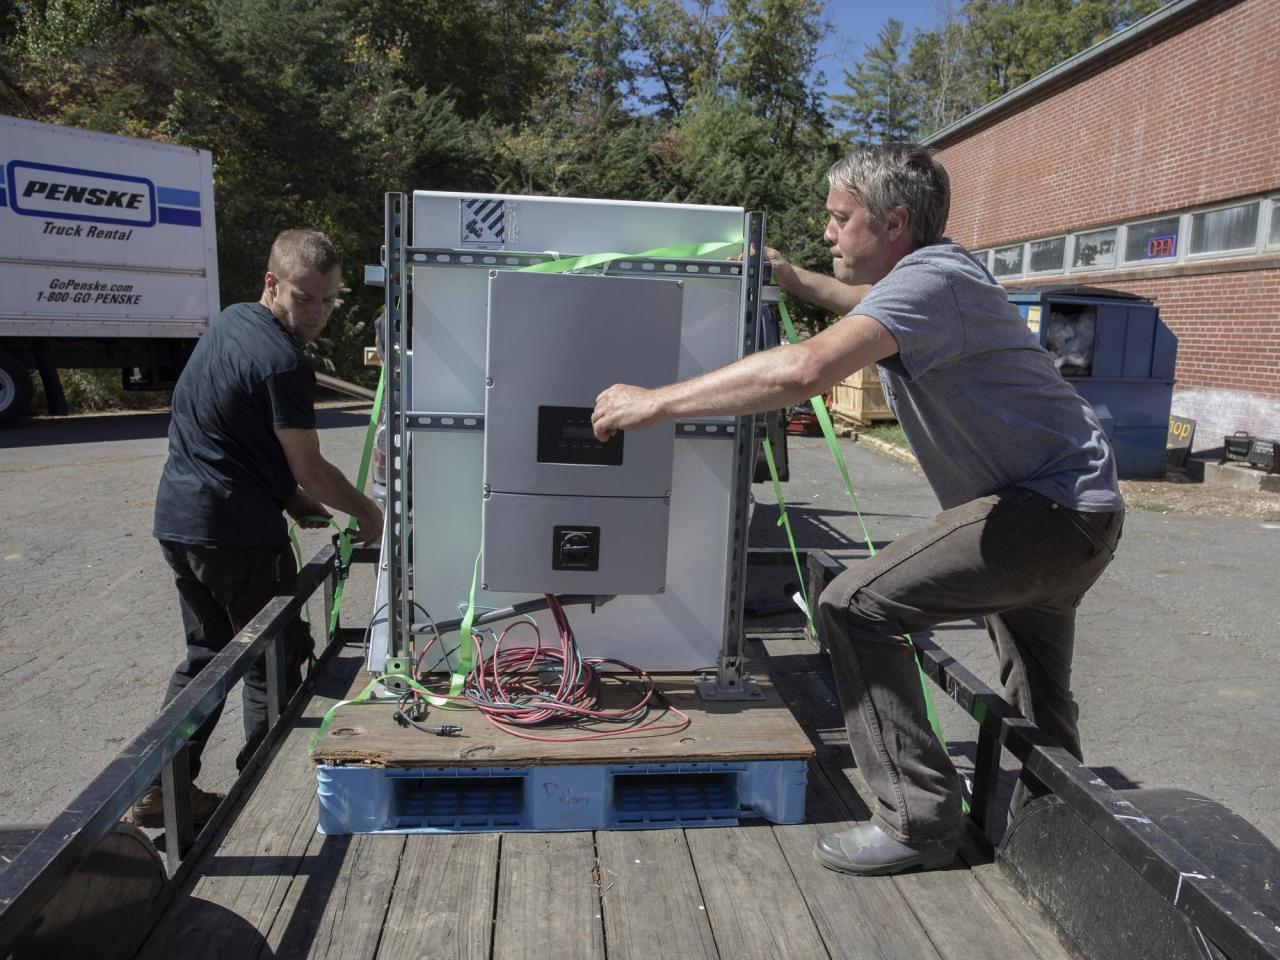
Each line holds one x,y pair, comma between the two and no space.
868,851
148,811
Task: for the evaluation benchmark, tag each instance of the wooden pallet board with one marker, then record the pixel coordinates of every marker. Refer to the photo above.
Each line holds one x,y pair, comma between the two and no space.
761,729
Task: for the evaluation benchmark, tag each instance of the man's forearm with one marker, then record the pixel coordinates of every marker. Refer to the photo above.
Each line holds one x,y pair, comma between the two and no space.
328,485
821,289
301,502
767,380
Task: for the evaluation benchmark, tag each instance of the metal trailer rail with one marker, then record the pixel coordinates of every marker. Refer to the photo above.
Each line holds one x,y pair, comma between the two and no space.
39,870
1223,916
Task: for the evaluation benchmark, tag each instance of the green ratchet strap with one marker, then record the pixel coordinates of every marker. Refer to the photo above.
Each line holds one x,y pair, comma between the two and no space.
686,251
297,547
785,522
345,542
365,696
824,421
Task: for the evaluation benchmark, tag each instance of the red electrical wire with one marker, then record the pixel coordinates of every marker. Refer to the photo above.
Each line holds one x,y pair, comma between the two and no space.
512,688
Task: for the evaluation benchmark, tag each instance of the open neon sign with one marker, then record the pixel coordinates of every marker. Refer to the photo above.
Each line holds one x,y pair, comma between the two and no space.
1162,246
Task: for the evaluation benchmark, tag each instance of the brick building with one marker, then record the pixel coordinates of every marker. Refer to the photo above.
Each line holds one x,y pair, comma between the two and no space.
1150,164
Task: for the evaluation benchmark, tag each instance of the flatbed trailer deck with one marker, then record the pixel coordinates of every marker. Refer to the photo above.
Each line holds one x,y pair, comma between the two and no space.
260,881
270,885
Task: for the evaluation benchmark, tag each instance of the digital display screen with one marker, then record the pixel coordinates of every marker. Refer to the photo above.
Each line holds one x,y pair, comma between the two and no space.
565,436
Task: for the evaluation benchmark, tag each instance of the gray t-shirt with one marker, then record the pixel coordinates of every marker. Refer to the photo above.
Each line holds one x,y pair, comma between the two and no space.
978,398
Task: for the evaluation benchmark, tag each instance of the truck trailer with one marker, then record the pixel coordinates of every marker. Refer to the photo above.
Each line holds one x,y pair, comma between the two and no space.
108,258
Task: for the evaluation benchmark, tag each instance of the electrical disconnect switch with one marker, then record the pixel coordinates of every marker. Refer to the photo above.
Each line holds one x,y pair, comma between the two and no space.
575,548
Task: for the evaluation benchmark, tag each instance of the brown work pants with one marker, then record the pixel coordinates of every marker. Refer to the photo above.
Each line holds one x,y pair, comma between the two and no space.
1015,558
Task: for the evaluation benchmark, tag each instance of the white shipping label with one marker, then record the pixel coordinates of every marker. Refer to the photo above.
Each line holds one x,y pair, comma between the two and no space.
482,223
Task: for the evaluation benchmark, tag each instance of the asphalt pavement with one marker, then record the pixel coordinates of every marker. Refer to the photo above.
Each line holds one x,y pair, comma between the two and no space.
1175,672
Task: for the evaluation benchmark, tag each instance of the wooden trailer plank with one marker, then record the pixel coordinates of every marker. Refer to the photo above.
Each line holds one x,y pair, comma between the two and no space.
719,730
1042,939
442,906
959,917
337,902
243,880
548,898
858,917
652,902
754,905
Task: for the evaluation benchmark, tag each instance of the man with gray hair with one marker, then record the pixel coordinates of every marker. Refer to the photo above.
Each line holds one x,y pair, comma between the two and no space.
243,448
1026,477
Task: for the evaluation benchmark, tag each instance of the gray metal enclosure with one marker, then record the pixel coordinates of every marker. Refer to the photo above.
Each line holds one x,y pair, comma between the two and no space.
672,517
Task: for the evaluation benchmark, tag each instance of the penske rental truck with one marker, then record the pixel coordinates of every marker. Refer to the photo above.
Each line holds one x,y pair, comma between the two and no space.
108,258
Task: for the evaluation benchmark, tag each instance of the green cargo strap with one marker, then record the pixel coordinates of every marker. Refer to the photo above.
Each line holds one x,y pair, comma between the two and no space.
686,251
785,522
345,543
297,547
365,696
824,420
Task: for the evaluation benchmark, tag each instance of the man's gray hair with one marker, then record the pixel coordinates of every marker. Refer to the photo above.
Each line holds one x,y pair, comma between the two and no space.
294,252
898,175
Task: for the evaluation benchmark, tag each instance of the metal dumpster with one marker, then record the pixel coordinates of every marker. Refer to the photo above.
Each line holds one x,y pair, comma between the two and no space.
1114,349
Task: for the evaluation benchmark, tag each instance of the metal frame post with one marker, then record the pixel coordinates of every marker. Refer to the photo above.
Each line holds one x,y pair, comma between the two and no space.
397,339
730,681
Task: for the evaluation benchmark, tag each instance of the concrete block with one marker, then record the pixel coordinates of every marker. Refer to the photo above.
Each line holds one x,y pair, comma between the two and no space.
1241,477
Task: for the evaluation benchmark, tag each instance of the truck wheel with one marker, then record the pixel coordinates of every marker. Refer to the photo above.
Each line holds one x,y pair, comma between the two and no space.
15,389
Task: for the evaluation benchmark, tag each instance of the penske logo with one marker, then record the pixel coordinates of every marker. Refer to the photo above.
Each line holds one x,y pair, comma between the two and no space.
68,193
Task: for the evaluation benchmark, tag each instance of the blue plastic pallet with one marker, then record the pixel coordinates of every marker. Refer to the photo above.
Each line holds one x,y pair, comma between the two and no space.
567,797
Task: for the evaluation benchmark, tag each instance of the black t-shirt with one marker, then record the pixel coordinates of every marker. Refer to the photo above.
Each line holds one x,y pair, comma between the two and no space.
227,479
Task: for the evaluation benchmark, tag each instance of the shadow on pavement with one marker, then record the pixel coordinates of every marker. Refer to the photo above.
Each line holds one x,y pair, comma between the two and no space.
143,425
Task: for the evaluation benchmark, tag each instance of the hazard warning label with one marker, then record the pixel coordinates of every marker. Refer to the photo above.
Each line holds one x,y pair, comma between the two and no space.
483,223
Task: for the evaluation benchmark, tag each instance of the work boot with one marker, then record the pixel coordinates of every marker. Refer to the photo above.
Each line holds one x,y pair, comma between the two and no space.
868,851
148,810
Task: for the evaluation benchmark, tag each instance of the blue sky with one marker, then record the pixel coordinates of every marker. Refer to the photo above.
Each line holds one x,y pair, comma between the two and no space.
857,22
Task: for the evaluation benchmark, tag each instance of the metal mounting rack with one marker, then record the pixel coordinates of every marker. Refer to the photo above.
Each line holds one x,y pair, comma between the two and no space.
400,259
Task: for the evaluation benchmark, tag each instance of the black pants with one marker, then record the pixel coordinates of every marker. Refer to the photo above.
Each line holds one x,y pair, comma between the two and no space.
1015,558
220,589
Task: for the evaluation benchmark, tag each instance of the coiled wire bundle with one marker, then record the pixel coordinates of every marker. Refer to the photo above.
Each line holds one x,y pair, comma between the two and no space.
517,688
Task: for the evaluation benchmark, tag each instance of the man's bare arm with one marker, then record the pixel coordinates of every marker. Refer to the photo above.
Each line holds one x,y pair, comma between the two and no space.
302,504
326,483
763,381
817,288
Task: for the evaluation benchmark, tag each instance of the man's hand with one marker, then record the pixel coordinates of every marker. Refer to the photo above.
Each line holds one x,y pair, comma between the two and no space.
304,505
368,524
784,274
624,407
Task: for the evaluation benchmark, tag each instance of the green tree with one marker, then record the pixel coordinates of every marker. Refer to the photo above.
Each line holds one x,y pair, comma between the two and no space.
881,103
675,48
989,47
769,59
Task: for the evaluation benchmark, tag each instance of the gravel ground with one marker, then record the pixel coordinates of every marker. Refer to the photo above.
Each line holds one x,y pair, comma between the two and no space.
1175,494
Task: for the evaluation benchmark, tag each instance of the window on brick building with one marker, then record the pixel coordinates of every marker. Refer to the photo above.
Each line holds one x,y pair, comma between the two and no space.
1273,237
1047,255
1007,261
981,257
1096,249
1219,231
1153,240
